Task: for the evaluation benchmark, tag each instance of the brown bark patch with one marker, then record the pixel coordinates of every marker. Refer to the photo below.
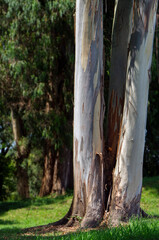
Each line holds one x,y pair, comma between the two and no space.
22,182
114,122
76,150
83,108
121,209
81,148
112,141
48,170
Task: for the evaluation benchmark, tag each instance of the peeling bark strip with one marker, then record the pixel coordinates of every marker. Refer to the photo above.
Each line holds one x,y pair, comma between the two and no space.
127,177
88,113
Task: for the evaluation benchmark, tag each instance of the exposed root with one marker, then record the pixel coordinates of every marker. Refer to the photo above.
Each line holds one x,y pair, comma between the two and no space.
73,222
89,223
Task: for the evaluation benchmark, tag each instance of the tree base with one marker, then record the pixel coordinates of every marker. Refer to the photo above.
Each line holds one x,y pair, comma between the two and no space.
72,223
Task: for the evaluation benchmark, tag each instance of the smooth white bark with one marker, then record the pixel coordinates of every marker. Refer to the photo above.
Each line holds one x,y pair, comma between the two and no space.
88,104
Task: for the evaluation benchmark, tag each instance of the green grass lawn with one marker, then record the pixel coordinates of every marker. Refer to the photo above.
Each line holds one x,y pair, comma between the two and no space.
17,215
150,196
14,216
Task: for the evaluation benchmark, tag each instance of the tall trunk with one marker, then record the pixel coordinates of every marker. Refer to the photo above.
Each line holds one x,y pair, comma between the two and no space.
22,180
120,40
127,177
23,151
88,113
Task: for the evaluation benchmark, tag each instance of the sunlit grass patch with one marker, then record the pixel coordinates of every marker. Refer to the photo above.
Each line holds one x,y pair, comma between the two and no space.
150,196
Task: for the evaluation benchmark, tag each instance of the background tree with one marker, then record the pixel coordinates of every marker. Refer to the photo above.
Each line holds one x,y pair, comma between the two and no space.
151,156
36,50
6,162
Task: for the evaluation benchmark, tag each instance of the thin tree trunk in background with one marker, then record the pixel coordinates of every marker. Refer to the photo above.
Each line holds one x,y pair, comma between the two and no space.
63,172
22,180
49,155
120,41
58,171
88,114
23,151
127,177
49,161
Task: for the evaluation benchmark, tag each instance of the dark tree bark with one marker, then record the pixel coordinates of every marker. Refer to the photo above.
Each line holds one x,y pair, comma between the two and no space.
22,180
58,171
22,154
63,172
49,161
119,53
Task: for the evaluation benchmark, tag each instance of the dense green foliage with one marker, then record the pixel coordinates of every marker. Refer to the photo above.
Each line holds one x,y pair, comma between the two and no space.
36,75
6,162
14,216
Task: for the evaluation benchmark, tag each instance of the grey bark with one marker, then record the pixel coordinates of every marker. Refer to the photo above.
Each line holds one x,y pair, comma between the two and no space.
88,114
127,176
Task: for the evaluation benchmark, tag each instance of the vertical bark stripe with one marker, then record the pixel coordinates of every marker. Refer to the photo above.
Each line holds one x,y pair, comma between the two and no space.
97,147
89,30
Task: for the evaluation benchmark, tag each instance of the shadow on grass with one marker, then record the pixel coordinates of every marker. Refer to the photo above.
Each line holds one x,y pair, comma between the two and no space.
151,183
7,222
7,233
37,202
136,231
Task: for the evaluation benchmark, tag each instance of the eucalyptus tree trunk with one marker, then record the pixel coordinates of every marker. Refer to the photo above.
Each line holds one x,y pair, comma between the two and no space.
121,33
127,177
22,154
88,114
